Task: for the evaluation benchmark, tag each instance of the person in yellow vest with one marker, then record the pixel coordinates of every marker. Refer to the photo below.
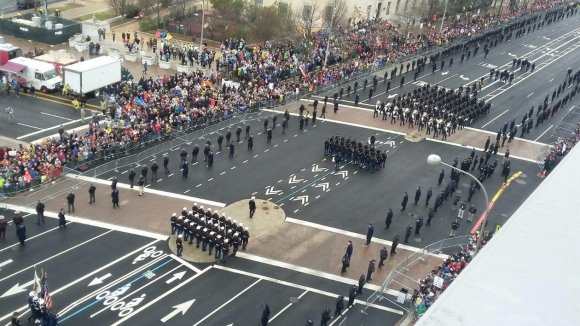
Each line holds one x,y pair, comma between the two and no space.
65,89
76,105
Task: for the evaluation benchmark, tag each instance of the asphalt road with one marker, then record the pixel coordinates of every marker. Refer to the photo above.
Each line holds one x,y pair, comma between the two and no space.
552,48
306,186
9,6
38,117
106,277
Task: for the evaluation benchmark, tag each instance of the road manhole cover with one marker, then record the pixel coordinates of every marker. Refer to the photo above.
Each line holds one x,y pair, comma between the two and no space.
293,299
520,181
264,203
265,208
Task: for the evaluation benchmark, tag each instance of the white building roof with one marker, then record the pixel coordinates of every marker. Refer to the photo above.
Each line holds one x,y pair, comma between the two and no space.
529,273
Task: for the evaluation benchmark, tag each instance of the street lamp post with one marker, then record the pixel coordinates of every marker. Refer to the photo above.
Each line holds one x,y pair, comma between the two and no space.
329,33
435,159
443,18
202,23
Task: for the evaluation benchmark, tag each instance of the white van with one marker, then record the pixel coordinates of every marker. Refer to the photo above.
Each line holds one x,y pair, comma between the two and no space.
39,74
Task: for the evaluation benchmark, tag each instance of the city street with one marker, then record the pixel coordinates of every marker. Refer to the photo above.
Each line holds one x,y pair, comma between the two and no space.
116,263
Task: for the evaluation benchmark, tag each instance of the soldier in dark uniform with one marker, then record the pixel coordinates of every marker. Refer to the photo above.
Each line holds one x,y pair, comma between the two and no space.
252,206
166,164
394,245
228,138
231,149
389,219
238,134
245,237
429,194
179,244
154,168
430,216
417,195
144,171
361,284
210,159
194,153
250,142
274,120
266,121
269,136
383,255
352,295
248,131
408,233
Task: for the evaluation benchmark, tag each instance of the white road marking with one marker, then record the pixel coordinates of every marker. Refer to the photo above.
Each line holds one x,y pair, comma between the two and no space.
287,306
199,185
492,120
151,191
56,116
266,150
210,179
481,149
540,136
353,234
227,302
188,190
223,173
168,292
308,271
276,145
246,161
256,155
56,255
532,93
54,127
29,126
4,263
233,167
549,81
170,175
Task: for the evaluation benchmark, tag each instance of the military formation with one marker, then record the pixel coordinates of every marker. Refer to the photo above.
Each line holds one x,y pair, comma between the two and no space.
365,156
211,231
438,110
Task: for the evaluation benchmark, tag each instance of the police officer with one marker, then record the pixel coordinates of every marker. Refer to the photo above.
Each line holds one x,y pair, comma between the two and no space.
251,142
92,190
166,164
173,221
194,153
408,233
179,244
383,255
389,219
238,134
454,227
155,167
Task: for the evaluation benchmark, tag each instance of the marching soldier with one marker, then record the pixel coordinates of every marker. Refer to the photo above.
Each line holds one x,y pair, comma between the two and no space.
245,237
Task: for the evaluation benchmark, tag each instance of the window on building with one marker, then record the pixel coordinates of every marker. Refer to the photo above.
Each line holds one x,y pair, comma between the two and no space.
283,8
388,8
397,6
307,13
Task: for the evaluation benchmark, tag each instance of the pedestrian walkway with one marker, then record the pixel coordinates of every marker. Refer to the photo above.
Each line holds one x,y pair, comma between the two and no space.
468,137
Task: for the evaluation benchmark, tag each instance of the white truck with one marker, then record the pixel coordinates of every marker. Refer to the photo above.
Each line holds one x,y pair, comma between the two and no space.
90,76
37,73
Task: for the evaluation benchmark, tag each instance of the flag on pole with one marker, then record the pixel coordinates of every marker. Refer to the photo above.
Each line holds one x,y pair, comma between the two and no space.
47,300
36,282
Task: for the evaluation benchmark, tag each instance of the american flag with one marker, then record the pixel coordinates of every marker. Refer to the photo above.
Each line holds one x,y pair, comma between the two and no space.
47,300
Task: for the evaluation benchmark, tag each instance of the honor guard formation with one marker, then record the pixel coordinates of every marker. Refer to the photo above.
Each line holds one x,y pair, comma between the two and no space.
210,230
364,156
441,111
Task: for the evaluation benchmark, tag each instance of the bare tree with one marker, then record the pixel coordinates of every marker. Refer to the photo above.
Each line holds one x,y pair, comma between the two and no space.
305,20
119,6
335,13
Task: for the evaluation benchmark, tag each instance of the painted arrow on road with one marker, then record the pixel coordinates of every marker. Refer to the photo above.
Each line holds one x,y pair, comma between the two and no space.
463,77
343,173
270,191
324,186
391,143
17,289
293,179
176,276
180,308
315,168
99,280
444,73
302,199
512,55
